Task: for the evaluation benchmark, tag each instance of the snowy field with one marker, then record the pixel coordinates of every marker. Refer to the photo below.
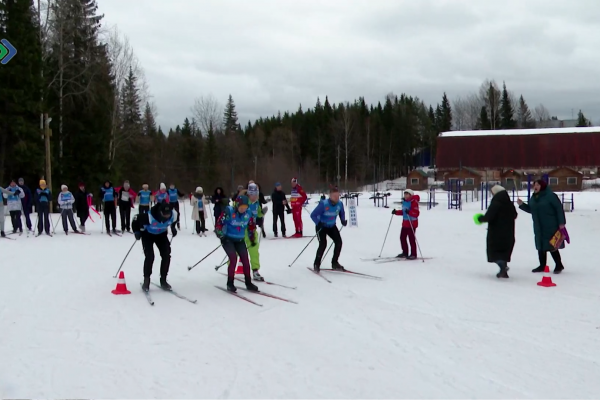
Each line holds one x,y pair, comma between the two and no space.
443,328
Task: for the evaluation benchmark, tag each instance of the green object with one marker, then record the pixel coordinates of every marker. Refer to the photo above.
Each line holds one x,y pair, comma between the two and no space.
476,218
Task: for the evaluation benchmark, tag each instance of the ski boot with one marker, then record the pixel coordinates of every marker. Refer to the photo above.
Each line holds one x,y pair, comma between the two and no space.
76,231
146,285
402,255
114,231
164,285
82,228
283,234
411,257
336,266
251,286
257,276
264,234
230,286
178,226
67,233
317,266
275,234
2,234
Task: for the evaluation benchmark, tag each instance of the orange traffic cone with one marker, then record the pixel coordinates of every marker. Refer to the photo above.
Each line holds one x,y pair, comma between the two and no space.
121,285
547,279
240,268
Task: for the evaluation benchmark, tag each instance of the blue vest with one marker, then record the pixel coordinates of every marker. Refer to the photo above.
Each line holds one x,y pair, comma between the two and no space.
236,223
200,204
66,197
172,195
161,196
405,208
157,227
108,194
144,197
330,213
253,209
44,199
11,197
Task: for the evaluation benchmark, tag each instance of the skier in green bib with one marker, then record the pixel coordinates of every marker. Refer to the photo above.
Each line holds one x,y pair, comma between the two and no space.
255,208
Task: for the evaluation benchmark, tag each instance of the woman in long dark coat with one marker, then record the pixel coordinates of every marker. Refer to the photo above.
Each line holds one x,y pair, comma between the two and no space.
548,217
500,216
217,200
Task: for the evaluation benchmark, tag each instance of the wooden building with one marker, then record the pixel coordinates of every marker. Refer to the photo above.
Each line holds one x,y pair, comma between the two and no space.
565,180
512,179
417,179
469,178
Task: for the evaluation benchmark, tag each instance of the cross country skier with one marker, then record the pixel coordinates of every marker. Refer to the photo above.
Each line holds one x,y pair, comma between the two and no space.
109,200
13,201
297,198
152,229
82,206
410,221
199,211
256,209
325,217
7,192
231,227
146,198
161,195
43,196
65,202
126,197
27,202
174,196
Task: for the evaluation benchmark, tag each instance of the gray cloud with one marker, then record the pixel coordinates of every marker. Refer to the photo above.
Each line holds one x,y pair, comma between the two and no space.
273,55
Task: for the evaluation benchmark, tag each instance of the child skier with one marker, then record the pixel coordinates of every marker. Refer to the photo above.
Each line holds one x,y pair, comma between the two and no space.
325,217
43,196
199,211
410,222
297,198
256,209
13,202
109,199
66,201
152,229
231,227
146,198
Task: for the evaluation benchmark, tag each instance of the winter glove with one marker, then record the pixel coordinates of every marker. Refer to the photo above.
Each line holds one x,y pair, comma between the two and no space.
394,211
476,218
138,235
265,209
253,243
17,192
320,226
344,223
174,232
289,210
563,230
223,240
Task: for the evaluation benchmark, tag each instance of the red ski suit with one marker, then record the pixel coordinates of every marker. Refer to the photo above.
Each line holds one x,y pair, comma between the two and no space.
297,199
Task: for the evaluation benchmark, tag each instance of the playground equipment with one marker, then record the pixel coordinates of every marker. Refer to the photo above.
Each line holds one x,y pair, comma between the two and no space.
380,199
348,196
454,195
431,198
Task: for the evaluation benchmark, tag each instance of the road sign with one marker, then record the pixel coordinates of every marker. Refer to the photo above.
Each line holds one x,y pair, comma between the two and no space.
7,51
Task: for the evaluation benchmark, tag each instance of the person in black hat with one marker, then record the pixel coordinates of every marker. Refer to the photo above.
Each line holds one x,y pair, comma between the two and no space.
152,229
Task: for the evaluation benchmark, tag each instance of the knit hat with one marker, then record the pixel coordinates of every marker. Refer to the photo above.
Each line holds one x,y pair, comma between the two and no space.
81,184
42,182
333,189
496,189
21,180
543,184
199,189
294,180
63,187
163,186
242,200
253,189
409,191
277,184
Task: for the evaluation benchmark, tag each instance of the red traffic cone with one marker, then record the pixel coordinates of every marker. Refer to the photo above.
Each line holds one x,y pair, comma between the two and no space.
547,279
121,285
240,268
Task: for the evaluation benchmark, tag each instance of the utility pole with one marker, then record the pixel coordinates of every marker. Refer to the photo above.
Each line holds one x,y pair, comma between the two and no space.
47,133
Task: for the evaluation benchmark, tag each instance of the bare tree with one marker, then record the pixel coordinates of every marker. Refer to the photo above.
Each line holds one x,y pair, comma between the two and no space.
465,112
490,94
207,111
541,113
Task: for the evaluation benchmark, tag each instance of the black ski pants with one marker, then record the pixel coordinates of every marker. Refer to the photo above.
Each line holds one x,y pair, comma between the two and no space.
83,218
334,234
67,216
43,209
15,218
201,225
233,250
279,213
110,211
164,248
125,213
143,209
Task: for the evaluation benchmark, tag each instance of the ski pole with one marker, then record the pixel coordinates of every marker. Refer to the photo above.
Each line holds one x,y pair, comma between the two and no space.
386,235
184,215
329,248
305,247
205,257
416,241
126,255
222,263
57,221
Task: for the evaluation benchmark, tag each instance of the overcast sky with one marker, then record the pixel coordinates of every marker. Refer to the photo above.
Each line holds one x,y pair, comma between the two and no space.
275,55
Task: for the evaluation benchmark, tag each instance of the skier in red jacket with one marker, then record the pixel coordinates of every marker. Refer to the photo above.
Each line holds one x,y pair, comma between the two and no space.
297,199
410,222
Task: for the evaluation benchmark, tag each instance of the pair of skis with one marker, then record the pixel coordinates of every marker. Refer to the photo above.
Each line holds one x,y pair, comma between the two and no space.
174,293
344,271
383,260
259,293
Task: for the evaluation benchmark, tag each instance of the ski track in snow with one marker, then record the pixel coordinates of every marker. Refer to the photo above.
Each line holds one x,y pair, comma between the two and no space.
443,328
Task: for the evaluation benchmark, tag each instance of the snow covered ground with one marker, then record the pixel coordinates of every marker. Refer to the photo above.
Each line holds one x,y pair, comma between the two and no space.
443,328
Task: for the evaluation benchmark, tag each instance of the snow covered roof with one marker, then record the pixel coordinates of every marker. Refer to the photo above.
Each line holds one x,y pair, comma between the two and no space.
514,132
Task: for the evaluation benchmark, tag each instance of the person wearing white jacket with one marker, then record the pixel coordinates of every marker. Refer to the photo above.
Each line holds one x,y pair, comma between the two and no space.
13,201
66,201
199,211
8,193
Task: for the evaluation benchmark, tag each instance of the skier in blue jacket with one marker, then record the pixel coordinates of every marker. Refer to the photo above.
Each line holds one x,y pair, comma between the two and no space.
152,228
325,217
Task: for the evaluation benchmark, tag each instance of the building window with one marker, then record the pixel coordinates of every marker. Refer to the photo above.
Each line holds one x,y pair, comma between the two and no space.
571,181
553,181
510,182
414,181
469,181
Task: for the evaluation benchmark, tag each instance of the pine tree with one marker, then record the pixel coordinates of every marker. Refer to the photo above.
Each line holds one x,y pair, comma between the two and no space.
149,122
507,114
582,121
483,122
130,103
230,119
20,147
524,117
211,158
446,122
186,130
